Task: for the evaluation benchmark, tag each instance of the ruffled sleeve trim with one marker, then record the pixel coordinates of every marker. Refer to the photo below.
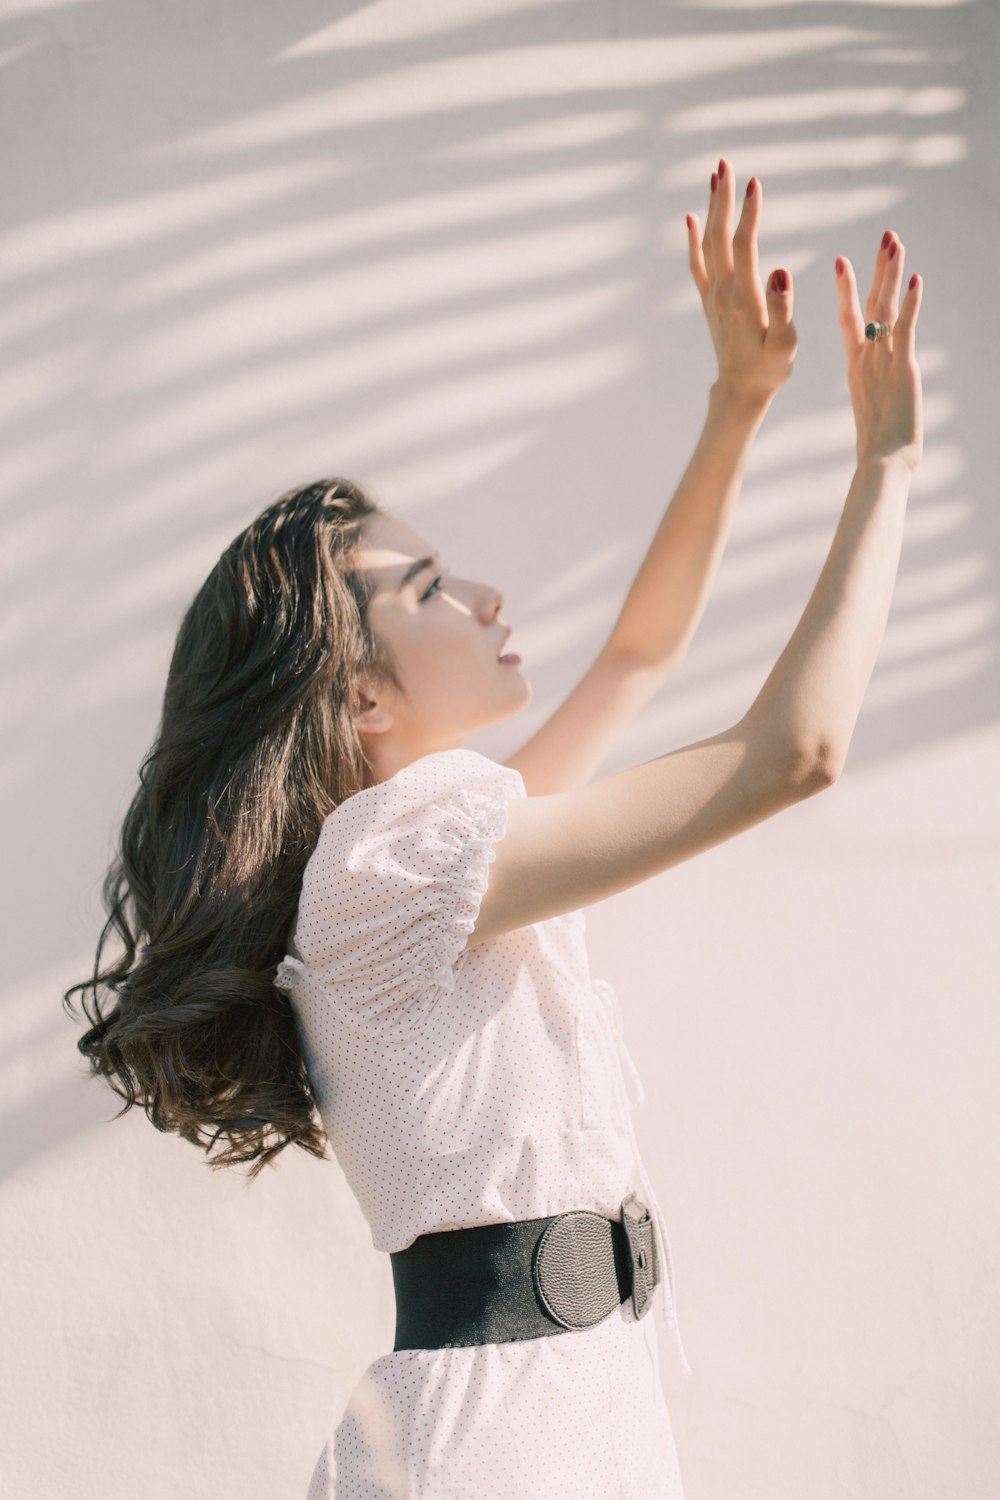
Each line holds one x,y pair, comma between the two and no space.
419,866
468,825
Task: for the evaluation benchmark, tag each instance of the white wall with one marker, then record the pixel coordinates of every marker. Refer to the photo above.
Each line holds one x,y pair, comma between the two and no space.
439,245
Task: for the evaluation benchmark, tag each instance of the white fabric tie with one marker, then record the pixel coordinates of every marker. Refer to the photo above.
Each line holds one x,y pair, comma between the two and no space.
287,972
634,1094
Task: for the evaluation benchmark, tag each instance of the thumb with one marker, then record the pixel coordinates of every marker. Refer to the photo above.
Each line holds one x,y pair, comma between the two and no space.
780,301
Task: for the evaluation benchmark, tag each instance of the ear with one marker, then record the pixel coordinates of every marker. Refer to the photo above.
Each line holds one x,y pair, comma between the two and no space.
371,714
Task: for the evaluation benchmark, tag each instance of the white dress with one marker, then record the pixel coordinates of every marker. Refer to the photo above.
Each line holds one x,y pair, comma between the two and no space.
471,1086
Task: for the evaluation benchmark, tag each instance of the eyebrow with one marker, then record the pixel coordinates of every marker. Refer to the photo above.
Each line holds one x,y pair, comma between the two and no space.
415,568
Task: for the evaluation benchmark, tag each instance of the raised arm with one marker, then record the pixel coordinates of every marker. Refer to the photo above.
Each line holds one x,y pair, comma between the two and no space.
565,851
755,343
818,683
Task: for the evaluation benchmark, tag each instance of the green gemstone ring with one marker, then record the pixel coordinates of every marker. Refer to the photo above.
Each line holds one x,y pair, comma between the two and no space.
875,331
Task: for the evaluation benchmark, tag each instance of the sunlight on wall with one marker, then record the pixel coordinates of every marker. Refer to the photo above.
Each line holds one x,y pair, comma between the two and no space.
59,241
841,104
565,132
757,6
578,574
386,21
409,215
460,468
442,407
772,160
499,76
11,10
359,363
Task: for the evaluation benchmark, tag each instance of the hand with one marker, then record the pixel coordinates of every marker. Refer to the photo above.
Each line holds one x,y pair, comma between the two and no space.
883,377
754,337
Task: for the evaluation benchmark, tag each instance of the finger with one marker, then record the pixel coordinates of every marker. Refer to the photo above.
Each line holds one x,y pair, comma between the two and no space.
887,304
706,243
745,260
904,333
780,305
696,259
852,324
722,228
878,277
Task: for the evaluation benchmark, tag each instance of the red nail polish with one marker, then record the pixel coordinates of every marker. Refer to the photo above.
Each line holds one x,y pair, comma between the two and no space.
751,187
722,169
687,220
892,249
715,182
886,239
913,282
779,281
840,266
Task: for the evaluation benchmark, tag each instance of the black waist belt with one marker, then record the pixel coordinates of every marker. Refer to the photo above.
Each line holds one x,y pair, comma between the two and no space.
520,1280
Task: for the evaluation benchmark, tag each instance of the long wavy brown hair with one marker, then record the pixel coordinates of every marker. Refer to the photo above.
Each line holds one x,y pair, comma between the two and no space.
256,746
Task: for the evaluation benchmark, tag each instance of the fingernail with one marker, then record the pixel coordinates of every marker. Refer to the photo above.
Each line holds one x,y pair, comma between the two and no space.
687,220
751,187
886,239
840,266
722,169
715,182
779,282
913,282
892,249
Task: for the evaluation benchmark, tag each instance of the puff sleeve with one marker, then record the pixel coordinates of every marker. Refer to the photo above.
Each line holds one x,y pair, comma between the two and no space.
393,888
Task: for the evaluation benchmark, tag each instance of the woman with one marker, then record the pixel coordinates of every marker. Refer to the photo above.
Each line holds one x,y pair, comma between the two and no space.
327,905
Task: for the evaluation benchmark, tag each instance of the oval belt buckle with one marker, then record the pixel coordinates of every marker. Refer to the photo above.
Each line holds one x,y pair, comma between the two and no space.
643,1253
573,1268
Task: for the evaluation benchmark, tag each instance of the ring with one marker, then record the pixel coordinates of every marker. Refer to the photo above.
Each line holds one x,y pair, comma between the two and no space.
875,331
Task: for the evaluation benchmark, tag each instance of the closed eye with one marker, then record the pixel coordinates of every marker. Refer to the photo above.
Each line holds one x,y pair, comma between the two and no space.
431,588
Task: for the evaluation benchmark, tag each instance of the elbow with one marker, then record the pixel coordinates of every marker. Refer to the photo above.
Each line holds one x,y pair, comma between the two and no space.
799,764
817,764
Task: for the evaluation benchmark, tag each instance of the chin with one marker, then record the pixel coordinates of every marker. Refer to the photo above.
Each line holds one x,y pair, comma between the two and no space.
525,695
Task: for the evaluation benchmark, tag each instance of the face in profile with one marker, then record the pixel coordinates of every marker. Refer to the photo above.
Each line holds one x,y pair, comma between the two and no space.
446,635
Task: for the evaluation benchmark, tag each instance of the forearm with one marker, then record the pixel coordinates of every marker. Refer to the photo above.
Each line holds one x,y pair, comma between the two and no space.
818,683
668,596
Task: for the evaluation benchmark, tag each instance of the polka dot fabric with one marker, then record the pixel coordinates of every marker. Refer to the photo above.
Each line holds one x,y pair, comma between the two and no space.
580,1416
463,1086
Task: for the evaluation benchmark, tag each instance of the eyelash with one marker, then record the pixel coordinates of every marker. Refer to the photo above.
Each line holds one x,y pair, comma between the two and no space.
428,593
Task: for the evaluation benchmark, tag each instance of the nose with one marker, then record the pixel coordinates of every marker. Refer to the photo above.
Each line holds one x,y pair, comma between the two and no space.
493,599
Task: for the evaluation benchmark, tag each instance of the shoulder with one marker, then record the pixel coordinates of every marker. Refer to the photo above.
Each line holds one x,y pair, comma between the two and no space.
433,799
444,772
392,890
440,774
